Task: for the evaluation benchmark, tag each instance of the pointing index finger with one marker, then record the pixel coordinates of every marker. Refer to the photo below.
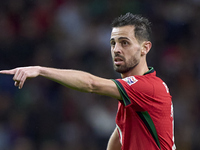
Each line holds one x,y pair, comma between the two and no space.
10,72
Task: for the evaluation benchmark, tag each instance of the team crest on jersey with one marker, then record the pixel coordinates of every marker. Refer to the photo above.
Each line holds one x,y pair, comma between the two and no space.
130,80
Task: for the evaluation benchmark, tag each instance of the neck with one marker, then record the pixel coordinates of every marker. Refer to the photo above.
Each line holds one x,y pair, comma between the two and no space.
140,69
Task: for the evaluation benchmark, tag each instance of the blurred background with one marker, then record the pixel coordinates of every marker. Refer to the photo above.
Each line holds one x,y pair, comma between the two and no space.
75,34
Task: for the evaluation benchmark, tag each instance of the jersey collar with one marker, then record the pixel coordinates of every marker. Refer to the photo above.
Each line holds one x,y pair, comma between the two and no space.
151,70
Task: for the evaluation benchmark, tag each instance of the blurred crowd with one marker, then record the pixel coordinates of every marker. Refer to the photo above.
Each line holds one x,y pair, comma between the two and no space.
75,34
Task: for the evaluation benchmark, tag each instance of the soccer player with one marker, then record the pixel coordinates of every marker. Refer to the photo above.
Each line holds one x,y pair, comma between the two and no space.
144,118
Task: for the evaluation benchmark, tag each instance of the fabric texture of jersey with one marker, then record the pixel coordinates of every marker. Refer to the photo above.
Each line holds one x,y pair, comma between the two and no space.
145,115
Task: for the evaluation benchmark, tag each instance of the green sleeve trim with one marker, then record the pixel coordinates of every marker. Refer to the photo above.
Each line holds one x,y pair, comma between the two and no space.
122,92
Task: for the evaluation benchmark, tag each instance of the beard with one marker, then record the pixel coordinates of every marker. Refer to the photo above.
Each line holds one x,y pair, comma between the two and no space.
127,66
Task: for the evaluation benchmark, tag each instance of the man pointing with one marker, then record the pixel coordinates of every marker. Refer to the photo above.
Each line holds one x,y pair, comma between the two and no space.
145,112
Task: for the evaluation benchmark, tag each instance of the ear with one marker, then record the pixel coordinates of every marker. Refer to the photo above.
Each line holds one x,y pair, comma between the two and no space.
146,46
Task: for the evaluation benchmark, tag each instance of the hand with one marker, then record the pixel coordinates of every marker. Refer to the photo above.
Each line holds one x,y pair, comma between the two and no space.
22,73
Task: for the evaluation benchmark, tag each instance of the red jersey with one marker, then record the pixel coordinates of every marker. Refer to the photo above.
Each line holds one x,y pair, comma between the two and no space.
145,115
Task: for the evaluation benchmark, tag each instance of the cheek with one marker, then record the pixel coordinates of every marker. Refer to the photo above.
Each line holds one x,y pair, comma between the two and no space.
134,53
112,53
137,51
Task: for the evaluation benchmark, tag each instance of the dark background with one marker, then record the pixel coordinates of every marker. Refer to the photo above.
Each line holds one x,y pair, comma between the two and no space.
75,34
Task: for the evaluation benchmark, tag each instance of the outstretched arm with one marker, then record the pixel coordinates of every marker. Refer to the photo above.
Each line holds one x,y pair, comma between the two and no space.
73,79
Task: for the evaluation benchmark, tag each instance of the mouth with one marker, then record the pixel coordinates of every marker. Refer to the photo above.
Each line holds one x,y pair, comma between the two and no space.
118,60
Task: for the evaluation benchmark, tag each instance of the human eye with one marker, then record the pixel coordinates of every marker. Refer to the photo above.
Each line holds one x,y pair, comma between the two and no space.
124,43
112,43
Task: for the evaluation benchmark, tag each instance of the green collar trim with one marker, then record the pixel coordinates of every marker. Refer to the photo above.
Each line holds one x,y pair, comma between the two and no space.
151,69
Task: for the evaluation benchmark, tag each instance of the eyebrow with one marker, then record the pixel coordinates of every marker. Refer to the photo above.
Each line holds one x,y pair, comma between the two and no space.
120,38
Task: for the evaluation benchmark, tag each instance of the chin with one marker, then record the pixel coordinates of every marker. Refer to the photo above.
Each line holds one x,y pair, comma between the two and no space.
123,69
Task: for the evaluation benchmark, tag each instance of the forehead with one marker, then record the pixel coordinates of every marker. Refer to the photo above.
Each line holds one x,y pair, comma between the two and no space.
125,31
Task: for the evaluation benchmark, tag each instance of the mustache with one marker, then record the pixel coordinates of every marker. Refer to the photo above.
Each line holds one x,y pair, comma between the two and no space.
118,55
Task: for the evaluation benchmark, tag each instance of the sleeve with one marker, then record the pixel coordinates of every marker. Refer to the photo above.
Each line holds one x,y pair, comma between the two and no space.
122,91
135,91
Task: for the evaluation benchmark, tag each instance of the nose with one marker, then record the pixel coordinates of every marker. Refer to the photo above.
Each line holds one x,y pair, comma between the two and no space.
117,48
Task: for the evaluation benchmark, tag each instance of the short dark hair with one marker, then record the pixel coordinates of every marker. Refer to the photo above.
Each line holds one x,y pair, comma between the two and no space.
142,25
